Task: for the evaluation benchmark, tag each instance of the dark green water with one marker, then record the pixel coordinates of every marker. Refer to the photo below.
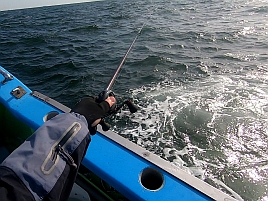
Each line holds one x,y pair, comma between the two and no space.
198,72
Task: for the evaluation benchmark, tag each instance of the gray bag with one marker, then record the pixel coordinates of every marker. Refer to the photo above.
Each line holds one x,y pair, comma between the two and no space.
47,162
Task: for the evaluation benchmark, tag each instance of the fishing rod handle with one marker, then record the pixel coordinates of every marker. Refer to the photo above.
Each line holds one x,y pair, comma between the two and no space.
132,108
105,126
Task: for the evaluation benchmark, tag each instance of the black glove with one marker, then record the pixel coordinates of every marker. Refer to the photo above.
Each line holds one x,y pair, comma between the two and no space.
91,110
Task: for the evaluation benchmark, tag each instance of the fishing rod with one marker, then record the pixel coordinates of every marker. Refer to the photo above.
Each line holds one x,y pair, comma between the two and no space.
107,92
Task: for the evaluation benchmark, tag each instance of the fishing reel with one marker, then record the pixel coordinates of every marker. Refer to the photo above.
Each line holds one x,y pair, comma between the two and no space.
115,108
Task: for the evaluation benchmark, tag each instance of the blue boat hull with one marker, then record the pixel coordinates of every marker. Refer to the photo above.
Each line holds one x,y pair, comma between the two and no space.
130,169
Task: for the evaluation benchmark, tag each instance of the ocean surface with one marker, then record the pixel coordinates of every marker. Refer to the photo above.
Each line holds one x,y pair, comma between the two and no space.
198,72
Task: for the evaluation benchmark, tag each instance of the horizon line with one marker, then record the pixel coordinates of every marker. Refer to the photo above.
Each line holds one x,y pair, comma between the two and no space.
37,4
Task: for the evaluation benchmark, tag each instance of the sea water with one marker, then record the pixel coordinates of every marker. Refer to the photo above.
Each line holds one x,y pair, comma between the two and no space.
198,73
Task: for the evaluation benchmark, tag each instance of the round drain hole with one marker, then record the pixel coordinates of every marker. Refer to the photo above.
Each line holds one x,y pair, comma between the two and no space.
151,179
50,115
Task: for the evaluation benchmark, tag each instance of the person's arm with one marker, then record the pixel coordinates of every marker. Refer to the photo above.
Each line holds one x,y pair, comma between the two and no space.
93,111
45,166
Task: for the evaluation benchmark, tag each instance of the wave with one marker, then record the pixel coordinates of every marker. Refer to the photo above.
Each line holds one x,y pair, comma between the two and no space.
33,40
87,28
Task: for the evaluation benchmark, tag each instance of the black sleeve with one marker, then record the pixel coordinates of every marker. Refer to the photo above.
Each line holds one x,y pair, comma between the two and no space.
12,188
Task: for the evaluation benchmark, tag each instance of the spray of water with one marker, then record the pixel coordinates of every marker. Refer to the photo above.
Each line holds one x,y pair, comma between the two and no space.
209,127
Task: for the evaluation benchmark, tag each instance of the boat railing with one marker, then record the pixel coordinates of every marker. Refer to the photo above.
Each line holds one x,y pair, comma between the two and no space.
6,75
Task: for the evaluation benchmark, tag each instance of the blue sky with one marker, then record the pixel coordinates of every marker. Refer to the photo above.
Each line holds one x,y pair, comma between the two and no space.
11,5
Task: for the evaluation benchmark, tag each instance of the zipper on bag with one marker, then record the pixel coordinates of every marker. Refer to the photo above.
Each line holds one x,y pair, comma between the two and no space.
57,150
67,156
